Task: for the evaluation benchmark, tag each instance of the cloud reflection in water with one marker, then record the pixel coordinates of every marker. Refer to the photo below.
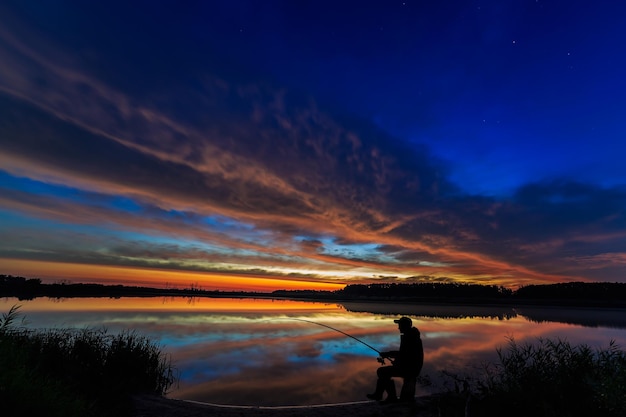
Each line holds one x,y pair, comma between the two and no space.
243,351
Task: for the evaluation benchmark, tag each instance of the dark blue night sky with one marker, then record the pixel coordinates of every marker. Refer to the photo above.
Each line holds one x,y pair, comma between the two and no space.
311,144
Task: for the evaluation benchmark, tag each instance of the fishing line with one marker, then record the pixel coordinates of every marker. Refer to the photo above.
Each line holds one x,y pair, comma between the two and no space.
340,331
277,407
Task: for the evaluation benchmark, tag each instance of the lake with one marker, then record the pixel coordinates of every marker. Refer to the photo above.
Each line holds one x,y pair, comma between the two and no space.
260,352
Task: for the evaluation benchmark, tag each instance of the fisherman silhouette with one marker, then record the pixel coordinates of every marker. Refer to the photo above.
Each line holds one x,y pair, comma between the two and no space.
406,362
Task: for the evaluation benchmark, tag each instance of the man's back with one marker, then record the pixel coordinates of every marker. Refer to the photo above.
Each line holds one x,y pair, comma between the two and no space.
411,354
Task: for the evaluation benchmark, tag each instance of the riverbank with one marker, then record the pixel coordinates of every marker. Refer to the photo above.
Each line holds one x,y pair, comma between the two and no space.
154,406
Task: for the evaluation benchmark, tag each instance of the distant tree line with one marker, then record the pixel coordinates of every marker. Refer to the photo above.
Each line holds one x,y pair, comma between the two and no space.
575,291
569,293
29,288
413,291
23,288
425,290
10,283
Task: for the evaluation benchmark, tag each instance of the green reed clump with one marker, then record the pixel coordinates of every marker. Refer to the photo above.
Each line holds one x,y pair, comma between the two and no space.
545,379
70,372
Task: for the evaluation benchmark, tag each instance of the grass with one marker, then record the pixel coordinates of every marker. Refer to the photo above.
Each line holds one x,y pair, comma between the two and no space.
70,372
544,379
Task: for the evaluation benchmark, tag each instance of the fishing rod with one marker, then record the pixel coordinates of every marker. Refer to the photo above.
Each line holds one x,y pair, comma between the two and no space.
380,359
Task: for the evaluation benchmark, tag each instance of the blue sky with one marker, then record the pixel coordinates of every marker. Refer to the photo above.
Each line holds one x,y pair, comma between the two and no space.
315,142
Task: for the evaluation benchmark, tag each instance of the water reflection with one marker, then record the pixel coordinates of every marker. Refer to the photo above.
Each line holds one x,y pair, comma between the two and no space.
591,317
433,310
245,351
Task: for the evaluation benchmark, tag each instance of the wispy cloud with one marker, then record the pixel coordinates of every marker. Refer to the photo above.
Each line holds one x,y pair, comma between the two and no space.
238,174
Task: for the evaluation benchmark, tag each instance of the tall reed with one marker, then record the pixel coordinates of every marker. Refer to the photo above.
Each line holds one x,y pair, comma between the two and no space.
549,378
82,372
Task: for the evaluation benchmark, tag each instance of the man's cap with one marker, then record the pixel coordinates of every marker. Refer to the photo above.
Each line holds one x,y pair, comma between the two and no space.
404,320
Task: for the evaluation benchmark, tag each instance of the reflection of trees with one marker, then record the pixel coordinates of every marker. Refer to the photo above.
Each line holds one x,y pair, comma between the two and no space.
579,316
446,311
190,300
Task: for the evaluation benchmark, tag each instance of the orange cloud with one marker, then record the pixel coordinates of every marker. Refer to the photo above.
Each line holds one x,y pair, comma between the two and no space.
264,157
105,274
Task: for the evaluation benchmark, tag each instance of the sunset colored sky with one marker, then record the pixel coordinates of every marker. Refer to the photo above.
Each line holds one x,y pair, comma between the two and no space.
311,144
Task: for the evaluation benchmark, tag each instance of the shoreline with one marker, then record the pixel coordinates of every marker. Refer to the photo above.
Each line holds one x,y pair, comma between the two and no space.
567,294
153,406
451,301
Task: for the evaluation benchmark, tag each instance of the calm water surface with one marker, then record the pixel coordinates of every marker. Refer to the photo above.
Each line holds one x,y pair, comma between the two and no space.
253,352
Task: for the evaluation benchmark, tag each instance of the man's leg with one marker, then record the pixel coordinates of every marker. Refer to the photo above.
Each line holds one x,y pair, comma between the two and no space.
408,388
391,391
385,383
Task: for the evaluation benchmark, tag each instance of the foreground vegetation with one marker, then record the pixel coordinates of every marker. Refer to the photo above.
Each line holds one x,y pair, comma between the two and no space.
544,379
67,372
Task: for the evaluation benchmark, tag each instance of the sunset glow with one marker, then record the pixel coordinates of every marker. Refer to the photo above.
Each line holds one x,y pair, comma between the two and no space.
244,148
53,272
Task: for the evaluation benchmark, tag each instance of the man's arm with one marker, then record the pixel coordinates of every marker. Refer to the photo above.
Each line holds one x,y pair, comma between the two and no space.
392,354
